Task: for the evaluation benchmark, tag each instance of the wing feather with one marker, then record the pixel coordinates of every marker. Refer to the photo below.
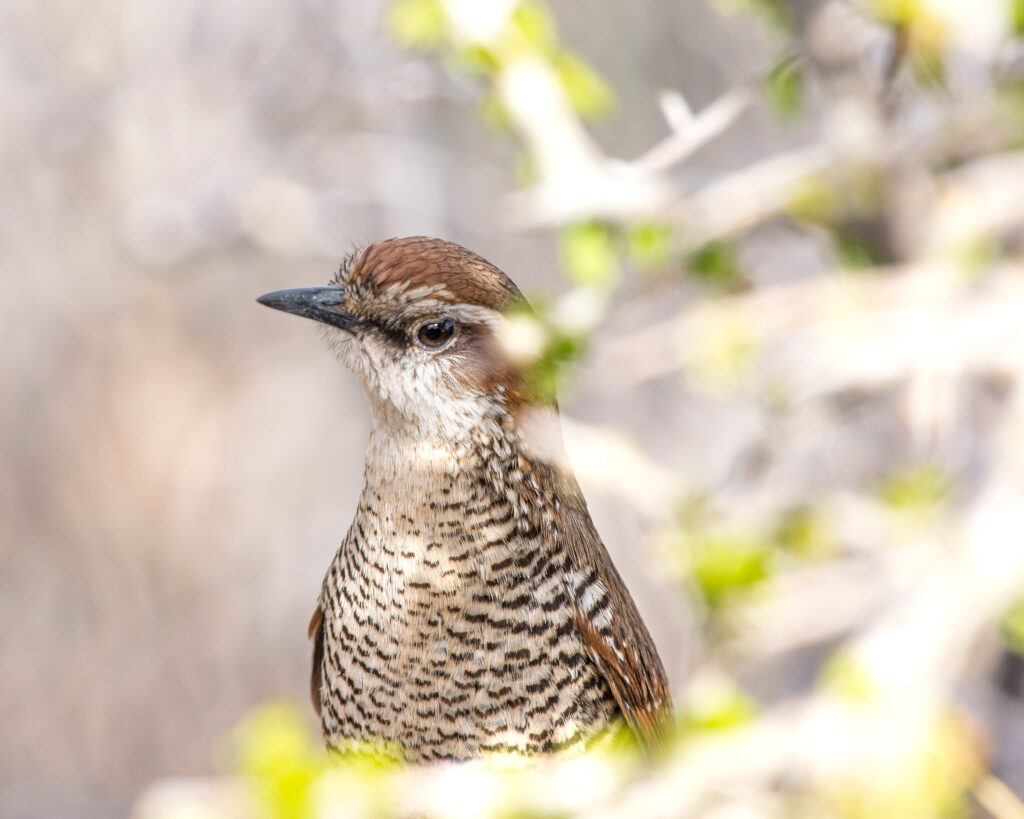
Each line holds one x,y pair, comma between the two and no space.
621,647
316,633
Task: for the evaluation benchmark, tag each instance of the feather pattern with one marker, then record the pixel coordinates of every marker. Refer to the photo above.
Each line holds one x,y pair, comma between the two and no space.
472,606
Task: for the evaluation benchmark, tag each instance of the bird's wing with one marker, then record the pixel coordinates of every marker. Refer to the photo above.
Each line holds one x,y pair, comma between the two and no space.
612,628
316,634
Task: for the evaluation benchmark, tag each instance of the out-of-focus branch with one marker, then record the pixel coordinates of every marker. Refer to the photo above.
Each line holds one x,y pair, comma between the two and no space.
614,464
828,334
576,179
998,799
689,132
743,198
579,181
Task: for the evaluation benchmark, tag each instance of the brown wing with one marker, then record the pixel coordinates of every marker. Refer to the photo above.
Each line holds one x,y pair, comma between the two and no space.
316,634
619,643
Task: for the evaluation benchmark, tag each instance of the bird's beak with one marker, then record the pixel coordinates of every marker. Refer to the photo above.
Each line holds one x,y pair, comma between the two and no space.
317,303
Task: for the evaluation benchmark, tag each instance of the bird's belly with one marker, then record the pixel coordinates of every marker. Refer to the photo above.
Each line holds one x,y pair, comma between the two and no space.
439,675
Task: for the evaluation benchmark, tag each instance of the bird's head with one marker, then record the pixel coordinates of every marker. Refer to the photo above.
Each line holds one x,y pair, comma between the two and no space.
418,320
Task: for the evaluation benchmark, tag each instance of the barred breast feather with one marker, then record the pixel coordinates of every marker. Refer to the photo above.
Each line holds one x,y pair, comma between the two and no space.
466,614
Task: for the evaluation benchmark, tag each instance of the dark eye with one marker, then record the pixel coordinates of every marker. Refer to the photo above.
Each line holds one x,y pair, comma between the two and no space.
435,334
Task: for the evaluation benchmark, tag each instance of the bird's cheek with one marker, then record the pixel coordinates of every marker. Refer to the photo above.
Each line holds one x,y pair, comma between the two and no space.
485,376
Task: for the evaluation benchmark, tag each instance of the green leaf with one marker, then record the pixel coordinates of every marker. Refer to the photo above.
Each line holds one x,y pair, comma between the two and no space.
276,751
590,95
417,24
588,254
549,359
813,199
1017,17
898,12
726,353
534,23
852,253
974,254
725,565
649,244
478,59
716,705
843,675
919,488
493,111
717,263
562,352
1012,628
784,88
928,68
802,532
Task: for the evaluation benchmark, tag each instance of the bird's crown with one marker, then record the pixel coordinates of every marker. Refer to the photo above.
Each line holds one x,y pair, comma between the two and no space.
448,271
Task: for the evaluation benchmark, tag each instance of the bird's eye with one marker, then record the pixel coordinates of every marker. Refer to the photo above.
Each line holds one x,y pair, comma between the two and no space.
436,334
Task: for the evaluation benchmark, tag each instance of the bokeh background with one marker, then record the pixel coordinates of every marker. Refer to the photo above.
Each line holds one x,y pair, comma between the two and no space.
789,328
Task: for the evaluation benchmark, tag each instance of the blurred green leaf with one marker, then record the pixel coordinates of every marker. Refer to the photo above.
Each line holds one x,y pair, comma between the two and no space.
923,32
493,111
715,705
1012,628
844,675
588,254
553,353
276,750
560,355
727,350
1017,17
803,532
784,88
417,24
649,245
534,23
919,488
976,254
724,565
717,263
590,95
623,746
478,59
851,203
897,12
853,253
813,199
928,68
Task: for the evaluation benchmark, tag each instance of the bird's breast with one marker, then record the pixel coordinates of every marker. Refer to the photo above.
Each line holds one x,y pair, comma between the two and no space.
448,629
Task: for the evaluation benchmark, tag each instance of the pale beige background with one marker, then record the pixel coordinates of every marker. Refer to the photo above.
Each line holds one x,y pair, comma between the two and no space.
178,464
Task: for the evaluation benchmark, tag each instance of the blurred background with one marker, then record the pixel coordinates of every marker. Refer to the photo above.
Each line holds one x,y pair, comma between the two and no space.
775,250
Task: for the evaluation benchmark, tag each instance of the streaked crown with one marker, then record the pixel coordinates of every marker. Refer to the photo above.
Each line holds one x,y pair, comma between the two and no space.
449,271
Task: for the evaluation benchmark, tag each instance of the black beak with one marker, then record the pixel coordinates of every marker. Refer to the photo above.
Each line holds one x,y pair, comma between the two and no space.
317,303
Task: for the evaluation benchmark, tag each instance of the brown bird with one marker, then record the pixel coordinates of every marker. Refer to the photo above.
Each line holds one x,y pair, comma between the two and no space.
471,607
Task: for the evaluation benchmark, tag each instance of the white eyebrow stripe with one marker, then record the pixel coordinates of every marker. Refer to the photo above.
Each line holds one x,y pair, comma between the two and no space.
464,313
474,314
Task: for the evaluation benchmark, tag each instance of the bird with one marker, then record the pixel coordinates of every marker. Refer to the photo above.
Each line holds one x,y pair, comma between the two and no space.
472,608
